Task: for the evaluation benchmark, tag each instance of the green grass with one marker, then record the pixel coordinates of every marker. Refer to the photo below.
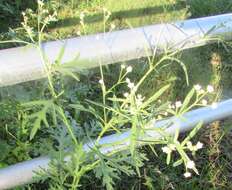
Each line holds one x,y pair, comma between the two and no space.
206,65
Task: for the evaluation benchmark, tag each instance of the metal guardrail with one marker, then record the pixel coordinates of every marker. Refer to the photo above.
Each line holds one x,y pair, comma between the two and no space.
22,64
24,172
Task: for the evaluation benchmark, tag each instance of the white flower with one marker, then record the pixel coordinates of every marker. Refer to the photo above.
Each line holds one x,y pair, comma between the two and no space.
40,3
139,99
204,102
189,145
126,94
123,66
166,150
101,81
190,164
214,105
78,32
197,87
199,145
112,26
131,85
187,174
178,104
129,69
210,88
128,80
172,147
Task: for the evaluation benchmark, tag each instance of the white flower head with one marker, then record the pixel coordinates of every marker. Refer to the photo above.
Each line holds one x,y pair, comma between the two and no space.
139,99
79,33
128,80
126,94
112,26
123,66
210,88
131,85
172,147
190,164
197,87
101,81
40,3
178,104
129,69
204,102
199,145
139,96
187,174
166,150
189,145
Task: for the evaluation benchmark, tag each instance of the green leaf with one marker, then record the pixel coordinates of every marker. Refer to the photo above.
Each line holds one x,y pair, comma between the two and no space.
183,67
192,133
168,159
60,55
187,101
67,72
35,128
177,163
155,96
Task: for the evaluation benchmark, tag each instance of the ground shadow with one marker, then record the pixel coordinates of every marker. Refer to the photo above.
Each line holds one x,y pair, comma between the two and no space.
199,8
11,13
119,15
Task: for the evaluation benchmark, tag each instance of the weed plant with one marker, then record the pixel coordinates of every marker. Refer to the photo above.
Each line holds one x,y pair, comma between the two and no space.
68,121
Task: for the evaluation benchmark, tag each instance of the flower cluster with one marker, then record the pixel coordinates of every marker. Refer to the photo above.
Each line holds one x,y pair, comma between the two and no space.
194,148
128,69
176,105
190,165
199,89
130,84
169,148
139,99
